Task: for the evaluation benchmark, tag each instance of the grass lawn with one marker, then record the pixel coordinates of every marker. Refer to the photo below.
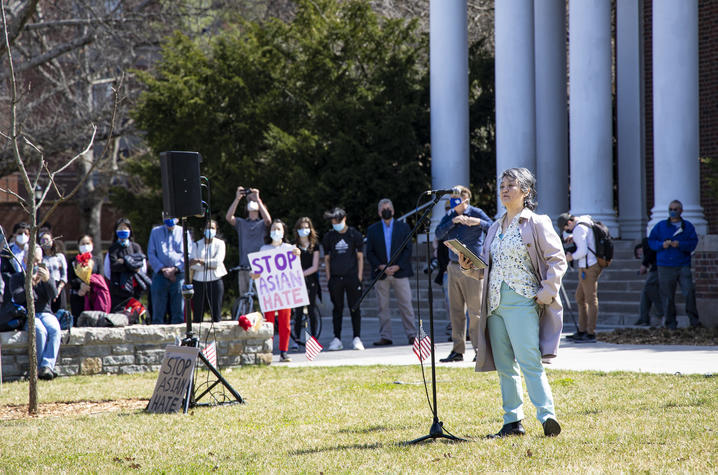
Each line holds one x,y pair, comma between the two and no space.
354,419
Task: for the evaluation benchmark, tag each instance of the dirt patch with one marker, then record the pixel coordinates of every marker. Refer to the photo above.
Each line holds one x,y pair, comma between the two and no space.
661,336
72,408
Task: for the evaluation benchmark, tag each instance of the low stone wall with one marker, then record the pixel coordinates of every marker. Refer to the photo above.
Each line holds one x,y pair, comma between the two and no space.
136,348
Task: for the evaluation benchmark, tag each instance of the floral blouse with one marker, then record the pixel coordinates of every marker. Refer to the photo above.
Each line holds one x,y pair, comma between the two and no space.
510,263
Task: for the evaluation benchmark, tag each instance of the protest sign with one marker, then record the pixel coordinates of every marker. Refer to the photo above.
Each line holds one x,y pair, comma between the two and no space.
174,379
281,279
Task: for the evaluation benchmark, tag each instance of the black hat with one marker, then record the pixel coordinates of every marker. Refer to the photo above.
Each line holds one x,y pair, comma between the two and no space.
336,213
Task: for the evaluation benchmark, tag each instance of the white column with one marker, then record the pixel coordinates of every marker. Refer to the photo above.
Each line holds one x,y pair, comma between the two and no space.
515,89
630,120
449,90
551,107
590,110
675,111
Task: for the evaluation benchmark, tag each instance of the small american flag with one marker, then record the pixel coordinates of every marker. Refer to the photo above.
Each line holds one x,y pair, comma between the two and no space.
312,347
422,347
210,352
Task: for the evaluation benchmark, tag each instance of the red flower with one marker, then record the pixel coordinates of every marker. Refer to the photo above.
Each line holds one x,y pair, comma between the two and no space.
245,323
84,258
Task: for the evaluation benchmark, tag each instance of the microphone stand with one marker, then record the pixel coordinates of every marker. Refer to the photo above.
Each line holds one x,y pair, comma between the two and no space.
437,427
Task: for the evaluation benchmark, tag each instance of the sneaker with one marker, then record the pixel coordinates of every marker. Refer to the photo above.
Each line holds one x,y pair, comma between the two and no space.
578,335
357,344
45,373
284,358
551,427
586,338
335,345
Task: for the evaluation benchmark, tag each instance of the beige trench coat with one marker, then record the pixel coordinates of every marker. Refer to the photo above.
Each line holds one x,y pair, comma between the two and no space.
549,264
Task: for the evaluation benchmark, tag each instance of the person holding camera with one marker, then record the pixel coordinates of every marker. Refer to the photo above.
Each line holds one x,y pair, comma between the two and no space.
382,240
250,230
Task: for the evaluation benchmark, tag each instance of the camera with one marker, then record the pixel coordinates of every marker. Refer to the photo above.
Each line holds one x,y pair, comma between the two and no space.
247,190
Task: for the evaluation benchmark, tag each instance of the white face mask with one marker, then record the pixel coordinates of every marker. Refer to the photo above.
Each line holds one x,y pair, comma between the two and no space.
276,235
22,239
83,248
303,232
252,206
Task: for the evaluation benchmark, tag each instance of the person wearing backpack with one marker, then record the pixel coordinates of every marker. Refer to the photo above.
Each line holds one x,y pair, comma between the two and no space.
589,270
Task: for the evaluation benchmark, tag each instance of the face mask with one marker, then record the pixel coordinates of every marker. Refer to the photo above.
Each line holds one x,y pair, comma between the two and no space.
22,239
338,227
674,214
252,206
84,248
304,232
210,233
46,244
387,214
276,235
170,223
123,233
455,202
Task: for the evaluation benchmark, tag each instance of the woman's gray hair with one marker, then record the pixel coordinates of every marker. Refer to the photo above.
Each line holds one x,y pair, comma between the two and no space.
526,181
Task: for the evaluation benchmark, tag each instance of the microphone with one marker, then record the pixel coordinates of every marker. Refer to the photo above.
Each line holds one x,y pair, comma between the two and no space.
450,191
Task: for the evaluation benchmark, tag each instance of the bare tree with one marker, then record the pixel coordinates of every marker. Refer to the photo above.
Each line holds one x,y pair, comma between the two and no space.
38,175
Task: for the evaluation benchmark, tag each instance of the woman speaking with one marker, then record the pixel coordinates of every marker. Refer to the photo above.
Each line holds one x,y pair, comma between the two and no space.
522,315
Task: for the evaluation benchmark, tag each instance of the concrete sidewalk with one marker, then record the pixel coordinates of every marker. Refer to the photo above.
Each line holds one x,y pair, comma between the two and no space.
572,356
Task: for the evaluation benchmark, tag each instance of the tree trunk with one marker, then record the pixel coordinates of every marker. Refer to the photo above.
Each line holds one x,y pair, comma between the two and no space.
30,305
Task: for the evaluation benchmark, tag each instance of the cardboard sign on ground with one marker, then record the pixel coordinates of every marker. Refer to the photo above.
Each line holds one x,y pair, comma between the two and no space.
174,379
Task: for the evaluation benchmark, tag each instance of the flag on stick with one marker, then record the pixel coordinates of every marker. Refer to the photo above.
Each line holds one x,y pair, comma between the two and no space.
422,347
312,346
210,352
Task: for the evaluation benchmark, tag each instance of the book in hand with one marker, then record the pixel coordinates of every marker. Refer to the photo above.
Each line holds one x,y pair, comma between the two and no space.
460,248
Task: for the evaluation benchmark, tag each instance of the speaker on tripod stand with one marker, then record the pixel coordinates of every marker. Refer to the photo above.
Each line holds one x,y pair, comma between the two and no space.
181,198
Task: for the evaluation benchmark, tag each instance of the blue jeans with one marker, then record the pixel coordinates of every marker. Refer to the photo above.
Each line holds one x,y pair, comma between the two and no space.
668,277
514,335
161,289
47,339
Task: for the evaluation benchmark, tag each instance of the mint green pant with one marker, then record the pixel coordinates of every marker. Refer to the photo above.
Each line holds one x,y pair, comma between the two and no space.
514,334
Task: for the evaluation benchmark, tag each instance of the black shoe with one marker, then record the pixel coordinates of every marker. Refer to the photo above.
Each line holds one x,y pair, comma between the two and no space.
512,428
576,335
383,342
551,428
587,338
411,340
453,356
642,323
45,373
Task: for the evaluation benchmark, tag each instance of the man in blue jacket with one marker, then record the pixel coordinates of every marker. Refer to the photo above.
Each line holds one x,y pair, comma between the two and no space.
383,240
468,224
674,240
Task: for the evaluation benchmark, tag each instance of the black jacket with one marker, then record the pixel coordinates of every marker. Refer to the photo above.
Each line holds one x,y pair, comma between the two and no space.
376,248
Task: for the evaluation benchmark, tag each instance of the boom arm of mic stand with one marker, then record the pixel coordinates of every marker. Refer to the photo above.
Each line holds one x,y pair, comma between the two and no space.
395,256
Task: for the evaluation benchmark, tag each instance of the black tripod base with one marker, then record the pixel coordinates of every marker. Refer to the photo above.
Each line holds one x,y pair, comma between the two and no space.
191,400
436,432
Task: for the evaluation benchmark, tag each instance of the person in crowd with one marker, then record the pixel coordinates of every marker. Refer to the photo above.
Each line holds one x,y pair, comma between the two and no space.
521,316
307,241
125,267
93,286
207,261
581,229
164,252
383,240
650,294
56,263
250,230
344,264
47,327
674,239
14,260
468,224
277,239
85,245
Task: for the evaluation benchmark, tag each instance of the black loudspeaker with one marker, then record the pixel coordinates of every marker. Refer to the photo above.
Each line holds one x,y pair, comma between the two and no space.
181,190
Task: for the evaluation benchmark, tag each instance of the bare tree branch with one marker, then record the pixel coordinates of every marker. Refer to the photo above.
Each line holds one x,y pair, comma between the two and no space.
53,53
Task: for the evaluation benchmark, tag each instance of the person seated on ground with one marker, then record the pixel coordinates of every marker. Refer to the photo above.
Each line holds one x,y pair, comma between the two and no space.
47,327
126,266
93,286
77,301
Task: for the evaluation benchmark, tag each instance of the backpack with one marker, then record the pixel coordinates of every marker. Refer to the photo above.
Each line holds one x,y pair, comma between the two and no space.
604,243
12,317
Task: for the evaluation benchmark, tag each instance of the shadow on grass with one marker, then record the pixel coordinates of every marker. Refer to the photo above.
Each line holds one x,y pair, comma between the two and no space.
319,450
370,429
